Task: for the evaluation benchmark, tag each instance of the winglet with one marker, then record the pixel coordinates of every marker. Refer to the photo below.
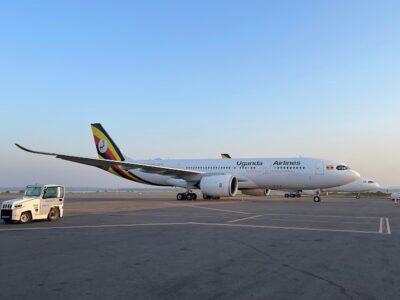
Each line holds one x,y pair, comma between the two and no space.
32,151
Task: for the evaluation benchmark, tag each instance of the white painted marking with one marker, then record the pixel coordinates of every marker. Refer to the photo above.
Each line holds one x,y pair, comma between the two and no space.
320,221
381,226
268,214
388,226
242,219
218,209
184,224
160,215
322,216
286,228
93,226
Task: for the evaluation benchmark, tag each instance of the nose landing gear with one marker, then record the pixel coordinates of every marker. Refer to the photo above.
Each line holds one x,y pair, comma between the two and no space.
317,199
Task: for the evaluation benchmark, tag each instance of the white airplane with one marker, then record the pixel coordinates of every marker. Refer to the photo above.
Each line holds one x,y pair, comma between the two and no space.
216,177
361,185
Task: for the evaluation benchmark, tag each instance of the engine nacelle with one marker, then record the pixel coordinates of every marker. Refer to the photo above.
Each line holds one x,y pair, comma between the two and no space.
256,192
219,185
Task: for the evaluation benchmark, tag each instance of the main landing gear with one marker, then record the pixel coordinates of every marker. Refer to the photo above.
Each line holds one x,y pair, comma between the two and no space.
298,195
206,197
358,196
192,196
186,196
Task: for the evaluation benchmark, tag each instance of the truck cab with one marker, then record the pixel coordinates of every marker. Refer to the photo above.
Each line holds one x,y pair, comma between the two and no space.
40,202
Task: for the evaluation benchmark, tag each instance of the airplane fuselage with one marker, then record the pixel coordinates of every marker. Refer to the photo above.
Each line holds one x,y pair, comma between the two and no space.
271,173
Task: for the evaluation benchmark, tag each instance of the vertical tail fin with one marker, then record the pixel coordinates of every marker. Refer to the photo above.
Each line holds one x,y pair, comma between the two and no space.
105,146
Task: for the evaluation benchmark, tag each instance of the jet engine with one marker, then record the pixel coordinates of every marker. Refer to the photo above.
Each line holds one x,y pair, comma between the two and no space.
256,192
219,185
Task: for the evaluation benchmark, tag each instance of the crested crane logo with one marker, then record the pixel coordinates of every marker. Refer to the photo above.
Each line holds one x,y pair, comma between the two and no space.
102,146
287,163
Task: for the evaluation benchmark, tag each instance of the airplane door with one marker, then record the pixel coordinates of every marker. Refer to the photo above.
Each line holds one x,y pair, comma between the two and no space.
319,168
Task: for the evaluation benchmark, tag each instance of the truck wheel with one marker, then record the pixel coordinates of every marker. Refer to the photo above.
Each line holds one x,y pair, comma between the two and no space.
26,217
54,214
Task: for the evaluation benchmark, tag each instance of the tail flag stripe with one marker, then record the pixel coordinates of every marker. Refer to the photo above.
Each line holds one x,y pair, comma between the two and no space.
107,149
112,151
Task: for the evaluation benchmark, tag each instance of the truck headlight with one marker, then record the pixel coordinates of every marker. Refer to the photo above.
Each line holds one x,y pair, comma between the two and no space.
18,206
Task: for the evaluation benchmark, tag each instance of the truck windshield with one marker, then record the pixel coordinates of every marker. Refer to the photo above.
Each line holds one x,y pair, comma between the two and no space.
33,191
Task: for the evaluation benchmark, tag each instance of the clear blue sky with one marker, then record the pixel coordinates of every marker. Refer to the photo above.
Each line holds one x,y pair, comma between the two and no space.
182,79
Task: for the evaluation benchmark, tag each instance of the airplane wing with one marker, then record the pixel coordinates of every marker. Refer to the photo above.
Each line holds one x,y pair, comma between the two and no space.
106,163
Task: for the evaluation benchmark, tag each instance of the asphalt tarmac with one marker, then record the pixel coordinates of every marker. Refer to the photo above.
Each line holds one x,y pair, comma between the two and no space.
150,246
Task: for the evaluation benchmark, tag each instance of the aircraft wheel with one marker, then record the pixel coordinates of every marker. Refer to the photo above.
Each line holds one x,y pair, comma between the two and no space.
317,199
358,197
206,197
194,196
287,195
292,195
189,196
180,197
298,195
26,217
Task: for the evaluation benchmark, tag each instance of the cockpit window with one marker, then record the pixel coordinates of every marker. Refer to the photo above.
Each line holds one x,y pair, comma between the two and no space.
370,181
342,167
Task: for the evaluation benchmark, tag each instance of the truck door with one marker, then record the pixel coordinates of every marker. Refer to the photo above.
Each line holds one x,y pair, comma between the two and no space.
50,199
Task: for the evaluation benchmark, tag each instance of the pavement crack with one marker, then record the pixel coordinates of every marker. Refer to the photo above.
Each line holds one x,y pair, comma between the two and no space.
342,289
254,248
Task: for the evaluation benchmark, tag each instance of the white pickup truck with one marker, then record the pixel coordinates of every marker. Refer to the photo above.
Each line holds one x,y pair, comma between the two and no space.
39,202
